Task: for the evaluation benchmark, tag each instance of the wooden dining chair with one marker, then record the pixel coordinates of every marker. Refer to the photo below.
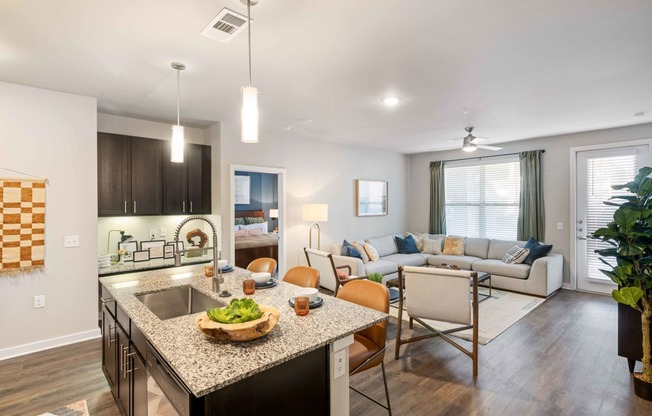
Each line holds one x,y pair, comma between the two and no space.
328,277
263,264
368,348
439,295
302,276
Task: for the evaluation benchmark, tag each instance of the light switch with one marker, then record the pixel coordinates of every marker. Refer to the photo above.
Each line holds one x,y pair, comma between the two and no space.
39,301
70,241
152,233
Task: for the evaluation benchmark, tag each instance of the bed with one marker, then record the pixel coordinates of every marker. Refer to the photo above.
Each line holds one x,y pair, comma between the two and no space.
250,247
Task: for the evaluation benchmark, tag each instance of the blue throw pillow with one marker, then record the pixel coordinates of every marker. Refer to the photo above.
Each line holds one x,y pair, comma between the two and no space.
536,250
349,250
406,245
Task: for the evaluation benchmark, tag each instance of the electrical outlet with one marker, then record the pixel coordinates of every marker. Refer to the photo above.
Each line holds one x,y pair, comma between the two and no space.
152,233
340,363
39,301
560,225
162,232
70,241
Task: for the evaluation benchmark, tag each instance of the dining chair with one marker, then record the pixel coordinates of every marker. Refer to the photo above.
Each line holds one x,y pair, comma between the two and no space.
302,276
263,264
328,277
440,295
368,348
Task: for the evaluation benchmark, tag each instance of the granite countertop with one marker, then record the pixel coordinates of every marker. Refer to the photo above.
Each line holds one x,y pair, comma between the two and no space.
206,365
154,264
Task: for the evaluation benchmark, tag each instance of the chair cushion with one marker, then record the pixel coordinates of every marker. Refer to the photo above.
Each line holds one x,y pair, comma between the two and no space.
476,247
407,259
350,251
463,262
536,250
406,245
454,246
361,349
381,266
498,268
371,252
384,245
498,248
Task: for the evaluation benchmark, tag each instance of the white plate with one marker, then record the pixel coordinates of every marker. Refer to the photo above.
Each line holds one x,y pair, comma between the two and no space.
261,277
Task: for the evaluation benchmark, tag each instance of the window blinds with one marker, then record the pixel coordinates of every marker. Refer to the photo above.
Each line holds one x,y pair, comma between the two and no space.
482,197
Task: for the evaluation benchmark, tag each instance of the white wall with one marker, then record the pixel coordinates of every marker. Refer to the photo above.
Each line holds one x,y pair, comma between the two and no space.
139,226
318,171
52,135
556,178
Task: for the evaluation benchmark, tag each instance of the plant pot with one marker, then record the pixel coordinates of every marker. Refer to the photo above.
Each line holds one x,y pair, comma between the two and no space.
642,389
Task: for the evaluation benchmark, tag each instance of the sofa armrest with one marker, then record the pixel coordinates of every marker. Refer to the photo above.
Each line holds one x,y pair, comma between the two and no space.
546,275
356,265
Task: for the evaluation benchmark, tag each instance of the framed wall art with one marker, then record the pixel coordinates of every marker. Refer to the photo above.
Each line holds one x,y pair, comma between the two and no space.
142,255
129,249
155,248
168,251
370,198
242,188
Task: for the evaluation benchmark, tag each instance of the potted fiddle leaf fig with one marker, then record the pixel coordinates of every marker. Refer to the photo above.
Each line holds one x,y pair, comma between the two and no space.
630,237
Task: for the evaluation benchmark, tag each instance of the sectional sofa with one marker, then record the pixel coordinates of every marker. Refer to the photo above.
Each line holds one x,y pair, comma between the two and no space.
542,278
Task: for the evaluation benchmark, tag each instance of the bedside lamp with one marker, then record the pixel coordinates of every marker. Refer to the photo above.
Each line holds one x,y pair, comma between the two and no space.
273,214
315,213
124,238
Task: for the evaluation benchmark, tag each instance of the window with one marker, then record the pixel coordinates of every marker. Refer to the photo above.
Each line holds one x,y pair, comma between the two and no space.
482,197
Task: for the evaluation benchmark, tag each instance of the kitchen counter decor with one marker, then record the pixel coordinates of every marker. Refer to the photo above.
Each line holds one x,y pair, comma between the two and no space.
239,332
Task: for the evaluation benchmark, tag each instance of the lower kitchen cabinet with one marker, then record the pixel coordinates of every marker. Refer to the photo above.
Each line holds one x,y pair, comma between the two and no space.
109,350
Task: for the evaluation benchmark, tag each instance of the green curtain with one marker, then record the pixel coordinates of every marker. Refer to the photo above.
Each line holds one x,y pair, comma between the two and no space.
531,213
437,223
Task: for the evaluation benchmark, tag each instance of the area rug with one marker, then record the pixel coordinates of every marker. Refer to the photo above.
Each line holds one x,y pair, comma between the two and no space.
75,409
496,314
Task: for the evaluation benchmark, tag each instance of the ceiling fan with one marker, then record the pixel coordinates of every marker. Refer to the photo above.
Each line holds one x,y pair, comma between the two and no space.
470,142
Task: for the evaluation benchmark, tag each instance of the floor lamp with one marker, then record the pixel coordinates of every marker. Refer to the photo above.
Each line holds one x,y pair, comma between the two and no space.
315,213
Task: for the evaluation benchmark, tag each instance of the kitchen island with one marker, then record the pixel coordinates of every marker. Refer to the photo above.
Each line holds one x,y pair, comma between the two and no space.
206,368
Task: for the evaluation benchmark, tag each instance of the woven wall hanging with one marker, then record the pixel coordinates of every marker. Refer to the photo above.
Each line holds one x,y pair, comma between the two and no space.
22,225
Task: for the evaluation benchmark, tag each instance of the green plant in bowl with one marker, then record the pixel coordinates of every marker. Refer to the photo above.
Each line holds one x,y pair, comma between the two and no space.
375,277
238,311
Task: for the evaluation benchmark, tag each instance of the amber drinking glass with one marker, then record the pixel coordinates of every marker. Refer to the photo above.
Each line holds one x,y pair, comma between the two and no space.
209,271
302,305
249,286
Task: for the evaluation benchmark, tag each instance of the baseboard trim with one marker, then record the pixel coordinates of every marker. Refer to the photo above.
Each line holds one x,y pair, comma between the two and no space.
566,286
47,344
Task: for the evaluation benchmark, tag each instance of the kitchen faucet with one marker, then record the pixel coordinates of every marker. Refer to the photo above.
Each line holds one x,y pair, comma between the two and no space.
217,272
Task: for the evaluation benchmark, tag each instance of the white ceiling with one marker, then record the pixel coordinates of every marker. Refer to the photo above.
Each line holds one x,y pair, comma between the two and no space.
523,68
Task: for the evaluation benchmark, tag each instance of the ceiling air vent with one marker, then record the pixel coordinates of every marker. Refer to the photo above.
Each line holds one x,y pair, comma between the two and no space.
225,26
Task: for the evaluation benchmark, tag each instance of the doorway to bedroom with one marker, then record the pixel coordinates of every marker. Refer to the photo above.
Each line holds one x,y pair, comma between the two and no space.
256,207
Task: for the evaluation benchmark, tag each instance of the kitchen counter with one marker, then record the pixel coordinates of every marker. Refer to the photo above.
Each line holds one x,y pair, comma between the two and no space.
154,264
206,365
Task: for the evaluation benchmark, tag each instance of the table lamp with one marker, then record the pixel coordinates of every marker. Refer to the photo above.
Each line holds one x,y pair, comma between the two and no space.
273,214
315,213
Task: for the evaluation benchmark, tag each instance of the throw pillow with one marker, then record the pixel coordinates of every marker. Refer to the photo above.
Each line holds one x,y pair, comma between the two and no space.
431,246
406,245
418,238
253,220
342,275
239,221
363,254
536,250
240,233
516,255
371,252
349,250
454,246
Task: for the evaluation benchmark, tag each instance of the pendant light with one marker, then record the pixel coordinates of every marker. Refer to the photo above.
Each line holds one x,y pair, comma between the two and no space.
249,127
177,130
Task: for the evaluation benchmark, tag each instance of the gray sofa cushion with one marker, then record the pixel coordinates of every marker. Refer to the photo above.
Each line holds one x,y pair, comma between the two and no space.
498,248
463,262
476,247
384,245
499,268
407,259
381,266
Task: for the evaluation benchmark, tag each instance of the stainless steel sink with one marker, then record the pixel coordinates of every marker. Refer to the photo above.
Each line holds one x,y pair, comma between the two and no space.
178,301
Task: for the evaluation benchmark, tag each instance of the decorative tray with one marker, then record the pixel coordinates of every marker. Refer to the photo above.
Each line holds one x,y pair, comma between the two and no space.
239,332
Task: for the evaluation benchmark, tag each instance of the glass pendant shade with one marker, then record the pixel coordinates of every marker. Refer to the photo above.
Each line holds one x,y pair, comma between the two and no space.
177,144
249,115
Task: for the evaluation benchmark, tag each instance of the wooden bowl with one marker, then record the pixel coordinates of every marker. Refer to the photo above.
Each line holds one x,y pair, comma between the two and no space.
239,332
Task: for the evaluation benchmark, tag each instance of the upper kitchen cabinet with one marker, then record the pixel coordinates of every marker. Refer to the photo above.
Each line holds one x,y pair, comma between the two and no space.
129,175
187,185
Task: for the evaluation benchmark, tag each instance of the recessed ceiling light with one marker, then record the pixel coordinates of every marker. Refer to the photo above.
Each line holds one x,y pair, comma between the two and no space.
391,101
639,114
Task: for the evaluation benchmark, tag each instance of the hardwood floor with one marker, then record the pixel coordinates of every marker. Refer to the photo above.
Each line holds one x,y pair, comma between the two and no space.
559,360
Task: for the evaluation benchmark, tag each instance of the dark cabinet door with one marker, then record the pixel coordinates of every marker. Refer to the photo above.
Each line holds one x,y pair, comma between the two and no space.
139,383
175,183
198,159
113,174
109,350
124,385
146,176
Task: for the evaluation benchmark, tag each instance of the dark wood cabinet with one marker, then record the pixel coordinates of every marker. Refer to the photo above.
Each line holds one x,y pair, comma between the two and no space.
136,177
109,350
138,372
187,185
124,385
